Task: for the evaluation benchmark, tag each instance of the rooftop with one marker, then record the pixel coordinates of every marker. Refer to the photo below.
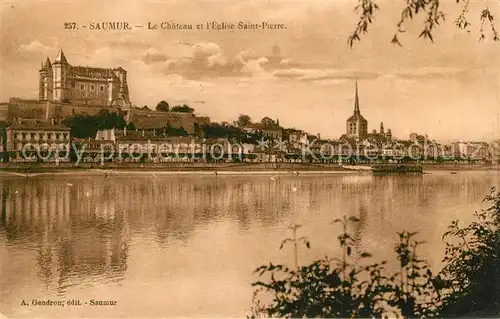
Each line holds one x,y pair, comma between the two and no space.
357,117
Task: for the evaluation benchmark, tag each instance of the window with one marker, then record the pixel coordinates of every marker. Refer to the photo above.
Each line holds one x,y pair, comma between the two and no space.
92,88
82,87
102,88
73,85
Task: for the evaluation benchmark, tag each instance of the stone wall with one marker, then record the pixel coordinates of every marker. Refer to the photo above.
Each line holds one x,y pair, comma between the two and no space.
142,119
4,112
36,109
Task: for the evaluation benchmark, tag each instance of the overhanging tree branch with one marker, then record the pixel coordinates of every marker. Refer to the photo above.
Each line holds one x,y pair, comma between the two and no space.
434,16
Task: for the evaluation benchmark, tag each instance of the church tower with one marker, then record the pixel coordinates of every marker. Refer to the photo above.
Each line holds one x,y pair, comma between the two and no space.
60,77
357,125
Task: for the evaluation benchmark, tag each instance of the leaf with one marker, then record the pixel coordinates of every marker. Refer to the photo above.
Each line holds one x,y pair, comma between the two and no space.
284,242
354,219
396,41
430,36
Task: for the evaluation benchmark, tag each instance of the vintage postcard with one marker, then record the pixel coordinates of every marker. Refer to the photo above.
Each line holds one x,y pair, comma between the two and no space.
248,159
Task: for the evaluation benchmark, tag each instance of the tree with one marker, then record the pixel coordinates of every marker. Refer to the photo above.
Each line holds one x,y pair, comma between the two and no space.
131,126
433,17
162,106
184,109
266,121
145,107
352,286
216,130
84,126
173,131
243,120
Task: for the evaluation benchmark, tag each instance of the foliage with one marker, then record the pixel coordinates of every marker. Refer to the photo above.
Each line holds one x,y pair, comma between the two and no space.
182,108
351,286
433,16
216,130
242,121
266,121
131,126
84,126
162,106
173,131
471,273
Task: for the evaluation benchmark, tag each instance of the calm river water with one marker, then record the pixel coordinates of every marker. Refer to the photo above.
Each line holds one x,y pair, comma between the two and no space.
186,246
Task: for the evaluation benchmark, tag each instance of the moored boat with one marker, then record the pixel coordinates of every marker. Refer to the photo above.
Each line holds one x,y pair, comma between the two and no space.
397,169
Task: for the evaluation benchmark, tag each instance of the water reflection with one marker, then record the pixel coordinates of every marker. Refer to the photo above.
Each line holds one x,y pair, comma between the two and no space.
72,237
86,231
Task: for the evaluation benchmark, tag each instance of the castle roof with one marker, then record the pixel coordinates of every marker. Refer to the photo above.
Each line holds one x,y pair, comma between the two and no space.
61,59
90,72
47,64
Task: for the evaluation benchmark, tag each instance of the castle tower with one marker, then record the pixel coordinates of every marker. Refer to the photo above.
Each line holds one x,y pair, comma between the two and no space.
41,82
123,89
389,135
357,125
48,81
60,76
45,82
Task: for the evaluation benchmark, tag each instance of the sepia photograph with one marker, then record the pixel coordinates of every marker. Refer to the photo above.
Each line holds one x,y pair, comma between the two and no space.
249,159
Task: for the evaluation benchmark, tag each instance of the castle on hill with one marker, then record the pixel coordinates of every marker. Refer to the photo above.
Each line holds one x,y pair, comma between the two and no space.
60,81
66,91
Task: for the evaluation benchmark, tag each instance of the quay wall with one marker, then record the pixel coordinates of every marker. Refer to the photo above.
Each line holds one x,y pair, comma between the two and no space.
203,166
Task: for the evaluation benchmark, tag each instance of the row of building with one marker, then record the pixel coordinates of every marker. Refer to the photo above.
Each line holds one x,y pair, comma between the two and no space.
31,140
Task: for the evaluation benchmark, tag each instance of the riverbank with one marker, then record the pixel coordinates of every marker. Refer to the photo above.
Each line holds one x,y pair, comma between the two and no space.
31,169
173,169
460,167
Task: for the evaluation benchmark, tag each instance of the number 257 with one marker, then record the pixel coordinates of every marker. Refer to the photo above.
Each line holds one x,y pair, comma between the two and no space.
70,25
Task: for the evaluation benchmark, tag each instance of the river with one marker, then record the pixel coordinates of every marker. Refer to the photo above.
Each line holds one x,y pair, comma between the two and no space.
186,246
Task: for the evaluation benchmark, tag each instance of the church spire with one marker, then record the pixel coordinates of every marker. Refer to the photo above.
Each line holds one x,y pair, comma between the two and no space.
61,59
356,101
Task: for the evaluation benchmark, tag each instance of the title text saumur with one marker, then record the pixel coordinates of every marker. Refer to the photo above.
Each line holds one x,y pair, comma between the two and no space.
173,25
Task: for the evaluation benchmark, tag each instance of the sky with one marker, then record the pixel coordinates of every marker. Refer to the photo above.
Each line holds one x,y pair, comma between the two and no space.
304,74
